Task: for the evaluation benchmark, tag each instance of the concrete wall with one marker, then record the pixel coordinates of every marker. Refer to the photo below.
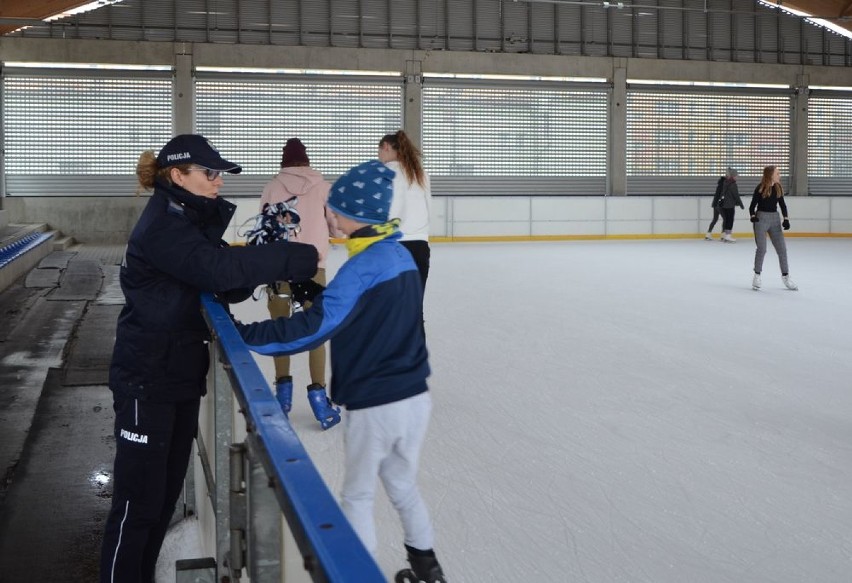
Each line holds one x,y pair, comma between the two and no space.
95,220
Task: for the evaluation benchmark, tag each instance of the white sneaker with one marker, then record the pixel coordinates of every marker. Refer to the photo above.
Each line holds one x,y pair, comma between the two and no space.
709,236
755,282
789,282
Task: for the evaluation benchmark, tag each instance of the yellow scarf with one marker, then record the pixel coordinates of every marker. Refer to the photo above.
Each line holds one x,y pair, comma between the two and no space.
370,234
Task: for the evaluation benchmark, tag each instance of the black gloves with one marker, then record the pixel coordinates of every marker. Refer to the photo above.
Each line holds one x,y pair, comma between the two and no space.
786,224
754,219
234,296
305,291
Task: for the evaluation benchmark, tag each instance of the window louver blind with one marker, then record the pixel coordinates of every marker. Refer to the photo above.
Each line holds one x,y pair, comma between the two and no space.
491,131
830,145
340,121
677,134
514,140
71,123
680,142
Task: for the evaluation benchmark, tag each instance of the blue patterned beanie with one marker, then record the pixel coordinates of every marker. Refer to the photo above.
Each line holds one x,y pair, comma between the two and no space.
364,193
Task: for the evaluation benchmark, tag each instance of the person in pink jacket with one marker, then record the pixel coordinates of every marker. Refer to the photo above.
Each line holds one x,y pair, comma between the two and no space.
297,180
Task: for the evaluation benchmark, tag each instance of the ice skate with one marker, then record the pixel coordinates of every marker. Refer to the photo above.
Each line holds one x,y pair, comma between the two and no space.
284,393
755,281
424,569
726,238
789,283
708,237
327,414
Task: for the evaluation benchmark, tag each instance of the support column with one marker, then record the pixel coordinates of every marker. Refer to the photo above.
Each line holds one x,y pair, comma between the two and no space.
799,142
183,92
412,112
616,172
2,151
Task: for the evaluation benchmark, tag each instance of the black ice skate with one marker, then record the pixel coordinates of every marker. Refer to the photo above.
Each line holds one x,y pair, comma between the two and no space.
424,568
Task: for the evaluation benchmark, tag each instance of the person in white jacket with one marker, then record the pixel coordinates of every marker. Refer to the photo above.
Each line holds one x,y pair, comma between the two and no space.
412,196
297,180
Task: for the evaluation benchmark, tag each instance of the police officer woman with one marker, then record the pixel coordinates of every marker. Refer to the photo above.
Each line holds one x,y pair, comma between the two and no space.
160,359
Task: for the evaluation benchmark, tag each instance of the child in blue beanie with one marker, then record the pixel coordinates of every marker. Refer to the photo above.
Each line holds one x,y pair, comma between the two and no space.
371,313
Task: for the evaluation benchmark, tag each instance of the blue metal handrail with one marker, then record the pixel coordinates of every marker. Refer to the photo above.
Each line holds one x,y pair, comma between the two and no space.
324,536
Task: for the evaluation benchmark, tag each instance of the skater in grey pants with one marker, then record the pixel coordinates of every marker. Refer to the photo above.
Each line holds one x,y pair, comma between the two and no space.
768,196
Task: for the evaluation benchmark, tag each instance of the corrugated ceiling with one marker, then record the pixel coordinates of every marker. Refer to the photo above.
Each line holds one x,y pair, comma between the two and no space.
17,13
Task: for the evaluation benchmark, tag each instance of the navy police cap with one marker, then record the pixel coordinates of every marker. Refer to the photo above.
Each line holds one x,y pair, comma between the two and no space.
194,149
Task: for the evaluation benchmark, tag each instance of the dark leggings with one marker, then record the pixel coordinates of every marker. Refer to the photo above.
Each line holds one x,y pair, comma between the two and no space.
715,218
728,219
420,252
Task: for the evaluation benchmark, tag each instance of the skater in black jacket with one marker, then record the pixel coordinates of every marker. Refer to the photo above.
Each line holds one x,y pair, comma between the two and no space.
160,359
768,196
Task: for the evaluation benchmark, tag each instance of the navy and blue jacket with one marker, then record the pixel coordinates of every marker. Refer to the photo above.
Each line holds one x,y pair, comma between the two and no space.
371,311
175,252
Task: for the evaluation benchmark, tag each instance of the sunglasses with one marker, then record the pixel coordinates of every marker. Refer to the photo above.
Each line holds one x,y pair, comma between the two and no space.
211,174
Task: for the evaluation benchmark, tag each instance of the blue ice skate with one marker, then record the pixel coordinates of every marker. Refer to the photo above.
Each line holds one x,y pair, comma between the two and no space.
327,414
284,393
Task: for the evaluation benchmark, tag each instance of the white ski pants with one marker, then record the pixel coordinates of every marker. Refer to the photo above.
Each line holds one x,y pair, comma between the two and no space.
386,441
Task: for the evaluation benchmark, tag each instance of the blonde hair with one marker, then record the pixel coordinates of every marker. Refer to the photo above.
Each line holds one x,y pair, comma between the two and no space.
147,171
408,156
766,185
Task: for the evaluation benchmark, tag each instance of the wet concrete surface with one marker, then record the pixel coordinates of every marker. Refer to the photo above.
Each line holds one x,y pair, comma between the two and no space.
35,345
56,443
48,278
56,260
15,302
90,350
52,519
81,280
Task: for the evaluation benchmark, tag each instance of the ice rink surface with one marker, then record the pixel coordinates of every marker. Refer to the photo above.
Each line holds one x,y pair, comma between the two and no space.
629,412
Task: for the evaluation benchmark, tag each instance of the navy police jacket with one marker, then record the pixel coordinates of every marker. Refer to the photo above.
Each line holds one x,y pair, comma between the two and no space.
371,311
175,252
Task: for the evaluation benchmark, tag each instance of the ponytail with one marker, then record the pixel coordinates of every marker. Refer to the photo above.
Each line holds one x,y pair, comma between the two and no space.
148,171
408,156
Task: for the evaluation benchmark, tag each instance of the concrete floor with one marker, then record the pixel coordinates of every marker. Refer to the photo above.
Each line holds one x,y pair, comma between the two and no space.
56,443
52,519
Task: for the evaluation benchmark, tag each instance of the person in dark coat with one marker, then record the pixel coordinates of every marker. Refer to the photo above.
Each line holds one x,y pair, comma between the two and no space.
160,358
727,199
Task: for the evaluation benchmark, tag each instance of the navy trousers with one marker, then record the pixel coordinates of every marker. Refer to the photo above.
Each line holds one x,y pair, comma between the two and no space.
153,445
